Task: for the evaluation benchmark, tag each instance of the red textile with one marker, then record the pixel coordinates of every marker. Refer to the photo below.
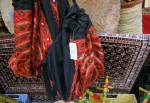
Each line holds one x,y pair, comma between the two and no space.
33,39
90,63
146,23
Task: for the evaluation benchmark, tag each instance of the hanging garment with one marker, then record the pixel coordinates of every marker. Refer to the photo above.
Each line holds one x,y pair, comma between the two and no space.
69,75
45,28
32,37
7,12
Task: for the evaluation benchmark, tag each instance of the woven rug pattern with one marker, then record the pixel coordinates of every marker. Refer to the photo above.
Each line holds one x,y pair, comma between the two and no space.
124,57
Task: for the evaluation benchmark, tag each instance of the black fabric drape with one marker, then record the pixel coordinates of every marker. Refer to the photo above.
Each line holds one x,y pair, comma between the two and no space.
58,67
50,18
23,4
76,22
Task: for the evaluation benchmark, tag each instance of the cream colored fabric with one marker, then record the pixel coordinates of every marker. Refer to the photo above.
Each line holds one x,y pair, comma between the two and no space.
7,12
147,3
104,14
131,20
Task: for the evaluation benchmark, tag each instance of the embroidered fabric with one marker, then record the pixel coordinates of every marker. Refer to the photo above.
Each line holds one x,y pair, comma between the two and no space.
32,37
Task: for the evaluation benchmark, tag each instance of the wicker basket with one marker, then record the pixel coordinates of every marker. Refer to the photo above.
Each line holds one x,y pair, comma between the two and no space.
131,17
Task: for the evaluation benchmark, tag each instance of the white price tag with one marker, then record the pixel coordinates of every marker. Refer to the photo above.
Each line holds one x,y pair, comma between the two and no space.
73,51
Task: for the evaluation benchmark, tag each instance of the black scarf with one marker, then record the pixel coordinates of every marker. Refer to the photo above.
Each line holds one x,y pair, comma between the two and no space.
58,67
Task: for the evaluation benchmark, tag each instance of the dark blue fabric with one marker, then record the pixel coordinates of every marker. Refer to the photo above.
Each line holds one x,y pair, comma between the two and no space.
23,4
58,66
76,22
50,18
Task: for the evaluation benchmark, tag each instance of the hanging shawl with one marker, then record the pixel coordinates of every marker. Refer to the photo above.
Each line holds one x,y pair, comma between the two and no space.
70,78
32,37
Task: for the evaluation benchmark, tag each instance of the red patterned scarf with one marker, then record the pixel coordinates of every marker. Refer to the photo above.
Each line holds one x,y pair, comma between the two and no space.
32,38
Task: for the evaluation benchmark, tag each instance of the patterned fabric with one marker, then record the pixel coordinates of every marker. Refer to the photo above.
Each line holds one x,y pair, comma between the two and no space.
35,30
124,53
90,63
72,77
33,39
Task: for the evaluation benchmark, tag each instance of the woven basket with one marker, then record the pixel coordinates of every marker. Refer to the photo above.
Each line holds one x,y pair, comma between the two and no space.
131,17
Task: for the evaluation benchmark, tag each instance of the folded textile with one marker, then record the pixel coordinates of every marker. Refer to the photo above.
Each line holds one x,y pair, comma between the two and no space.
32,38
72,76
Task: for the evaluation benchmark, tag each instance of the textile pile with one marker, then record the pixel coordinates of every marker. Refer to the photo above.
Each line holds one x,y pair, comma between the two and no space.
56,53
43,34
126,51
